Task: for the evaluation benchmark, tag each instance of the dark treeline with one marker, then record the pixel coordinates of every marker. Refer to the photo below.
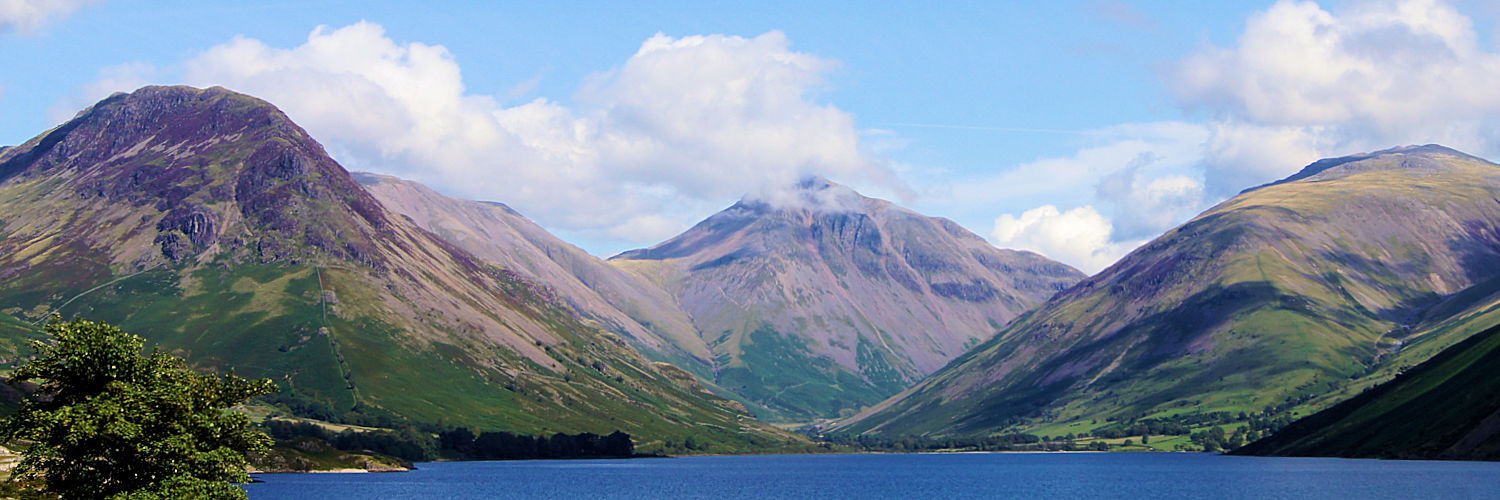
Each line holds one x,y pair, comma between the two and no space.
1216,439
409,443
1006,442
500,445
406,443
1211,435
1175,425
361,415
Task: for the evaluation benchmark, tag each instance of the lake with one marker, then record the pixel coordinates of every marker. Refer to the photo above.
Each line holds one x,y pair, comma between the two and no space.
962,475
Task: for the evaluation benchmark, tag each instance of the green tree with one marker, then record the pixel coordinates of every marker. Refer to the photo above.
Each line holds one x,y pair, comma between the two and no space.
108,422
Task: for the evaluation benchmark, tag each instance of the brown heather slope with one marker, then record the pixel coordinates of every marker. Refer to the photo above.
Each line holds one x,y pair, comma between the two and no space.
834,301
618,301
208,222
1286,297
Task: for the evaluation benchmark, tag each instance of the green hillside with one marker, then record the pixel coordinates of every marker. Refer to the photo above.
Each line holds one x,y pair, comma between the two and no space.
1445,408
1280,301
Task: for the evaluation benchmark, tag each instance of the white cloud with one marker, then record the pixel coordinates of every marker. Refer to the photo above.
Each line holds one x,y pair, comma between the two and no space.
1177,146
669,136
1080,237
25,16
1144,208
525,88
1240,155
1145,179
648,227
709,113
1303,83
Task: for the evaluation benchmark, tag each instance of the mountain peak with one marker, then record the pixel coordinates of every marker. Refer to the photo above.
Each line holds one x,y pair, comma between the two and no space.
166,115
183,156
817,290
1412,156
813,194
815,182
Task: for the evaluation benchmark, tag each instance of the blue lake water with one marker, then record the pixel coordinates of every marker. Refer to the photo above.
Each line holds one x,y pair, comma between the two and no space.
971,475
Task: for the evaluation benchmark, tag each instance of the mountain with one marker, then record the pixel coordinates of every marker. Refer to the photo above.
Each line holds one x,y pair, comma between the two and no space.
1284,298
1446,408
208,222
617,301
826,300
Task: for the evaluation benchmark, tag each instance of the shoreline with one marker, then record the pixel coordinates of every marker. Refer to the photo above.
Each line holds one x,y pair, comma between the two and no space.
347,470
354,470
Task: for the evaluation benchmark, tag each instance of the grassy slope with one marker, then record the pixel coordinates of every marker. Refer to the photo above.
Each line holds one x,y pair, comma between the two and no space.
266,321
1447,407
781,373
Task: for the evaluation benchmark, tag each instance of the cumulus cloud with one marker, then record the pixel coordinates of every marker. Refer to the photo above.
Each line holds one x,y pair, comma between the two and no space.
1176,145
1145,178
25,16
1302,82
1239,155
711,112
1080,237
1144,207
674,132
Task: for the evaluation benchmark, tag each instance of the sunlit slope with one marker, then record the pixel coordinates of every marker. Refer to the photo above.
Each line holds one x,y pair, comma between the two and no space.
827,301
1270,300
208,222
1446,408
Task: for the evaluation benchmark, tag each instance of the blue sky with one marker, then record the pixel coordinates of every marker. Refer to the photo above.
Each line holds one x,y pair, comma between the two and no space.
1074,128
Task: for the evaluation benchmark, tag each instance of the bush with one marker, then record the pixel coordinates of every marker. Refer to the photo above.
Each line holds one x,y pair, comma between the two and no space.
109,422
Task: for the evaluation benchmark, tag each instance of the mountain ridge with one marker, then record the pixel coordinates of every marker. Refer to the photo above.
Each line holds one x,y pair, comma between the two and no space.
499,234
1330,166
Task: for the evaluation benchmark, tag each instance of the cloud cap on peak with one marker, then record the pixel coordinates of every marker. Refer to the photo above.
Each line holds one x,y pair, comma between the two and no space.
815,194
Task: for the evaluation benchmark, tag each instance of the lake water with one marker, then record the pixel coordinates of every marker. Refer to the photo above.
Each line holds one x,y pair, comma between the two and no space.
971,475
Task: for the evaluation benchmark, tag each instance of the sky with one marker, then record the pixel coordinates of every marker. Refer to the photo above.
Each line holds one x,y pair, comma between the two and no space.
1078,129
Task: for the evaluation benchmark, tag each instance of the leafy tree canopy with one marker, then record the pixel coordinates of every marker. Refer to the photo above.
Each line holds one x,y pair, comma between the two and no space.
108,422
